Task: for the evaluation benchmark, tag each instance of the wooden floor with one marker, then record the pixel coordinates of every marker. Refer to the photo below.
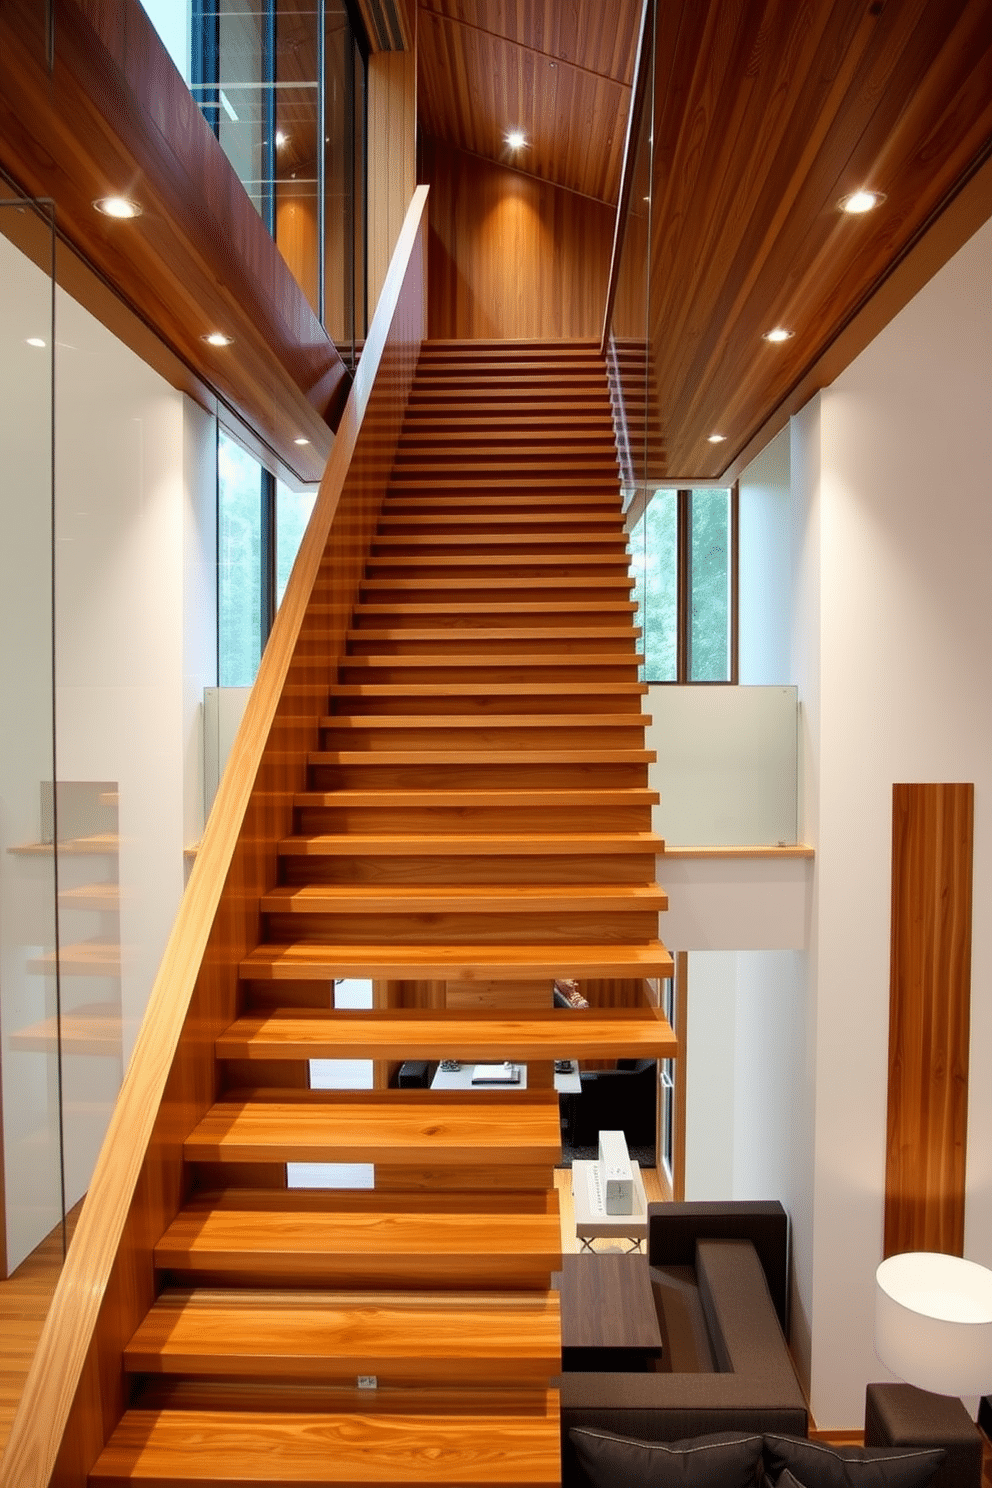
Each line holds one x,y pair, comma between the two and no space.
24,1302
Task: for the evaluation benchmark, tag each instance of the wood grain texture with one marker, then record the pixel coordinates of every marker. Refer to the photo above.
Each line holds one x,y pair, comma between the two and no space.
929,1017
201,1447
74,1394
485,69
476,1338
392,162
405,1033
511,256
115,116
765,117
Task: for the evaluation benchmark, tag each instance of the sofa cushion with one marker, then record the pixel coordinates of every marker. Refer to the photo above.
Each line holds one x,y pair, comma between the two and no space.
793,1460
727,1460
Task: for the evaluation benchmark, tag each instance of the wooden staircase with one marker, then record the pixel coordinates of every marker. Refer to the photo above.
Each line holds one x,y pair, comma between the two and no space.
476,823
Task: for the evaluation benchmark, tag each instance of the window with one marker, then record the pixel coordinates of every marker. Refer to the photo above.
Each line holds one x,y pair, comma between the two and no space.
260,525
684,562
293,512
283,87
240,630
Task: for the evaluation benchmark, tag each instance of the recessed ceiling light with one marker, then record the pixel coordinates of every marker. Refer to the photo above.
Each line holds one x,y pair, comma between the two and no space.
516,139
301,440
36,341
861,201
217,338
716,438
777,335
120,207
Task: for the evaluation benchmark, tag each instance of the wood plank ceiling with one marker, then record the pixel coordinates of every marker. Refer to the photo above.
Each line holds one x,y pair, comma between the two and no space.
560,73
767,114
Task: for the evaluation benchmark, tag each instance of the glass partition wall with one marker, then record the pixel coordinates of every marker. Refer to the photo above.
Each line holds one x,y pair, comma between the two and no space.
108,591
282,85
30,1054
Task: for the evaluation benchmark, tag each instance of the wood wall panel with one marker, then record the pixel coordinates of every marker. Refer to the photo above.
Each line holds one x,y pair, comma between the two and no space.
511,256
929,1013
74,1393
392,156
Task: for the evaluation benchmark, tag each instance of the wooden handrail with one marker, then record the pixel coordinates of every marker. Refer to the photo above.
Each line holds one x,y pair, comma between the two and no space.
638,97
74,1390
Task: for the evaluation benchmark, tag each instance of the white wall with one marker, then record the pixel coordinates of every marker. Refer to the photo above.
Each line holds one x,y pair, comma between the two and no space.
710,1040
893,623
27,883
765,577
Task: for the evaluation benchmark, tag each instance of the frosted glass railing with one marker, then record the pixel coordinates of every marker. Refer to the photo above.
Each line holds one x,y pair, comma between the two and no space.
727,765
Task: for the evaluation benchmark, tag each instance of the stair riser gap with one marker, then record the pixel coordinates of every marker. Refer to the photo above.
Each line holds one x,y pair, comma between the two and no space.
635,868
469,777
548,736
480,706
562,928
439,820
452,644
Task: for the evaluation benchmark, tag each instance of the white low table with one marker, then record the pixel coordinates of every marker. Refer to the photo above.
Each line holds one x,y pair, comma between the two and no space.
591,1219
461,1079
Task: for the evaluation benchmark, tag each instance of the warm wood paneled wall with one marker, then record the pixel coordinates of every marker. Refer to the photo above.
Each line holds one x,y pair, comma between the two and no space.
392,154
74,1393
929,1014
511,256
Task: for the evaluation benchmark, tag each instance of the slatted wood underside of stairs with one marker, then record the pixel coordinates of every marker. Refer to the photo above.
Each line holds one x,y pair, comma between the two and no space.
476,823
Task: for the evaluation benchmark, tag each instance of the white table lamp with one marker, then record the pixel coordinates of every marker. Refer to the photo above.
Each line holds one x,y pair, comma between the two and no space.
933,1322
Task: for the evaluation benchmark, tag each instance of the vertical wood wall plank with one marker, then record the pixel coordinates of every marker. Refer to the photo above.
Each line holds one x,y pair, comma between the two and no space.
929,1008
392,168
511,256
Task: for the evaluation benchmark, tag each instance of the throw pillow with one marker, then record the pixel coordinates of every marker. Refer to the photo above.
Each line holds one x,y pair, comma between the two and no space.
728,1459
813,1464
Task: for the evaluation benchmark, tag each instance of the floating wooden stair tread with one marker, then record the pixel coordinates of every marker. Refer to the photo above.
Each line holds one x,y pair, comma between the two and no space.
510,502
473,1338
516,607
311,961
477,660
472,560
193,1449
493,633
397,799
454,1034
472,844
479,541
359,721
530,585
467,898
549,690
489,756
439,1129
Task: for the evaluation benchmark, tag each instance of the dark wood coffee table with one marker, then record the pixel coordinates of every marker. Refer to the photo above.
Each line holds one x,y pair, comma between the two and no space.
608,1316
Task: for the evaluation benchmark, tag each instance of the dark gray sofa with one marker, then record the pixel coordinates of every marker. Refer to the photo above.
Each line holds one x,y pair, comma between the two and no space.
726,1366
